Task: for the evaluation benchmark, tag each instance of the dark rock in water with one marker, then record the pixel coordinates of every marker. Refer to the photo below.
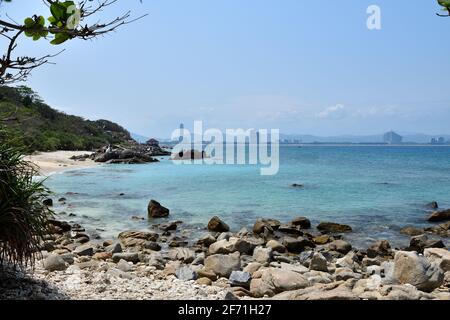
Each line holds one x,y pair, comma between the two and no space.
297,245
331,227
432,205
297,185
137,218
156,210
412,231
439,216
422,242
302,222
240,279
380,248
186,274
217,225
48,202
136,154
62,199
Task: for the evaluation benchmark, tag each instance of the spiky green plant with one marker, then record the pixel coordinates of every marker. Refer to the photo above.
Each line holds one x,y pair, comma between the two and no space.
23,216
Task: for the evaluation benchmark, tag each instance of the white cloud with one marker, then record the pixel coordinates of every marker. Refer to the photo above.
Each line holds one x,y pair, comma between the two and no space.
335,112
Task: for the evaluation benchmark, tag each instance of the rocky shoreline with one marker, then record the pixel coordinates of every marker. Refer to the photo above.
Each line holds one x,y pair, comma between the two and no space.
274,260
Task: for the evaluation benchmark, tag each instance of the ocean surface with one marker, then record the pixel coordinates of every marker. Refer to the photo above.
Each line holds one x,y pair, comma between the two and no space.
375,189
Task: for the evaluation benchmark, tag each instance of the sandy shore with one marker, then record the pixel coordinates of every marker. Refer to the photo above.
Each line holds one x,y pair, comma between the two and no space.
53,162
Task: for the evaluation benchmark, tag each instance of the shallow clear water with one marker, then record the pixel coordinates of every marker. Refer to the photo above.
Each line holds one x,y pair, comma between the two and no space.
375,189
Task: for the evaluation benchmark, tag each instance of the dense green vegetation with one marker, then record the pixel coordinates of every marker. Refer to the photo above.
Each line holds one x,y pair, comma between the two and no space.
27,121
23,216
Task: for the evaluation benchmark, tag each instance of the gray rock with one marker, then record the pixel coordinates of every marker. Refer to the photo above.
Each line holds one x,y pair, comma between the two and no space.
127,256
206,240
240,279
223,265
186,274
151,245
68,258
262,255
340,246
124,266
318,263
305,257
54,262
410,268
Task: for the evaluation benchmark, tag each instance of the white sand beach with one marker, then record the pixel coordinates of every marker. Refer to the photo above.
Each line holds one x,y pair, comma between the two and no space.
53,162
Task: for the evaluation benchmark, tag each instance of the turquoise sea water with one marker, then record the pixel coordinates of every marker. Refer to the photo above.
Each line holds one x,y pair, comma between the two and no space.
375,189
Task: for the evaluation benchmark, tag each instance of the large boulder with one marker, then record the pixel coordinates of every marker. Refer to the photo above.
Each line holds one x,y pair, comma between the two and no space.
331,227
440,256
156,210
410,268
273,281
439,216
223,265
217,225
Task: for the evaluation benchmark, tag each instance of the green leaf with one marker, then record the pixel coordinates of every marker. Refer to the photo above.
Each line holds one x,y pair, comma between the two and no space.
29,23
41,21
60,38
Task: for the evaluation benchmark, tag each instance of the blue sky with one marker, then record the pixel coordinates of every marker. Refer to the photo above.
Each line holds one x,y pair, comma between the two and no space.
300,66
